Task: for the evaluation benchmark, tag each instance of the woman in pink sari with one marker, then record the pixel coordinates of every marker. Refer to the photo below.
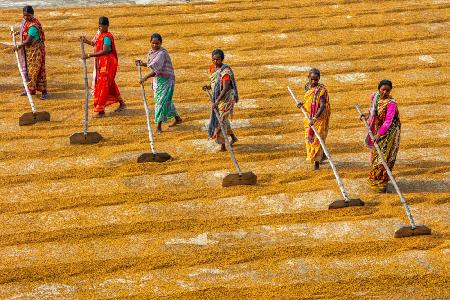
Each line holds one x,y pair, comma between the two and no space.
384,122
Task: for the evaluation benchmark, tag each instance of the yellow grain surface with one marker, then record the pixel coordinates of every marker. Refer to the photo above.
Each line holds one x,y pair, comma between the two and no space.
89,222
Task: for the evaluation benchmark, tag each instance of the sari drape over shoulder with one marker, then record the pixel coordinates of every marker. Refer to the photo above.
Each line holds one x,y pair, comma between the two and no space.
384,120
312,98
106,91
225,105
163,84
33,57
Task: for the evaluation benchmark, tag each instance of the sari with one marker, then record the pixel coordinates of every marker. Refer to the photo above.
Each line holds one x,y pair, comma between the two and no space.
105,89
33,57
384,119
163,84
313,95
225,105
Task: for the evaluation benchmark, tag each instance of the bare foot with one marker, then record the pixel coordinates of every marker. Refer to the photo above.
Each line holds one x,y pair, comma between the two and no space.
25,93
176,122
121,107
223,148
233,140
99,115
316,165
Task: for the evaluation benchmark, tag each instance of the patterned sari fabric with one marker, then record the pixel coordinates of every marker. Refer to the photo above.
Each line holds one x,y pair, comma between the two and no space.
33,57
106,91
312,98
163,84
384,120
225,105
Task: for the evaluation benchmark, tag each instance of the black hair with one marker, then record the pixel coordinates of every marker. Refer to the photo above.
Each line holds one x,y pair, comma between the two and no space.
156,36
385,82
314,71
218,52
103,21
28,9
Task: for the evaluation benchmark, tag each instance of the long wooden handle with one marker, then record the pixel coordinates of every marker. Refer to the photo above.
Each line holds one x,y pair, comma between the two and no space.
388,170
147,113
24,80
325,150
86,92
227,142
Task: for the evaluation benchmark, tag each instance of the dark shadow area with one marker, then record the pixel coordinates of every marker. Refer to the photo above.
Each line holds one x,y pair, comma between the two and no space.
185,127
349,165
421,186
264,147
65,96
126,113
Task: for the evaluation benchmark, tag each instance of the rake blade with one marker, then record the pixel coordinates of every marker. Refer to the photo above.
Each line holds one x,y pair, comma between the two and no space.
150,157
407,231
80,138
342,203
31,118
248,178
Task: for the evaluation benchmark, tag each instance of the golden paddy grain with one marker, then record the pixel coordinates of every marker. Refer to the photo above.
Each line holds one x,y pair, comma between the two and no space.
89,222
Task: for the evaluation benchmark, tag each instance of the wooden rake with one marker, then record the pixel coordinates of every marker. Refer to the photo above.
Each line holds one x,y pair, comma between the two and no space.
153,156
341,203
404,231
34,116
85,137
247,178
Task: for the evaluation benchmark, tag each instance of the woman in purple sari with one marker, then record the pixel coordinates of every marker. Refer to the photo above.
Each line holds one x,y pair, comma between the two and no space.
158,60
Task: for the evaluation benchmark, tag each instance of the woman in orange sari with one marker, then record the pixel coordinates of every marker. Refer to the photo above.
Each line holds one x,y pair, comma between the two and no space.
32,53
317,104
106,91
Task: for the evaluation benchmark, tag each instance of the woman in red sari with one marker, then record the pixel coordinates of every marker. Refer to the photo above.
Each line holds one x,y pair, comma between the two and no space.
106,91
32,50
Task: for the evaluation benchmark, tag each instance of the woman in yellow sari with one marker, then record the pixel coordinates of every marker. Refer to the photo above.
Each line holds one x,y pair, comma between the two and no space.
317,105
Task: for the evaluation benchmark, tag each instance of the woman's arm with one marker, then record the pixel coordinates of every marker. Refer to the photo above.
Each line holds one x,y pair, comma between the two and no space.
25,43
149,75
106,50
140,62
226,88
390,113
323,102
86,41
